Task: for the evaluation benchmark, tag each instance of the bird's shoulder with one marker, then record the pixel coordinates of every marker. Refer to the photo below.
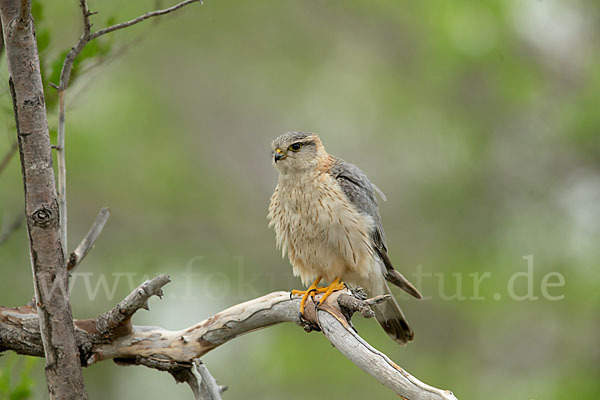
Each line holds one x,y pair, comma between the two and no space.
355,184
360,191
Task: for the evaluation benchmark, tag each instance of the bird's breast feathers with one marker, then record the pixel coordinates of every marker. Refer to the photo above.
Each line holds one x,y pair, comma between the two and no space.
321,231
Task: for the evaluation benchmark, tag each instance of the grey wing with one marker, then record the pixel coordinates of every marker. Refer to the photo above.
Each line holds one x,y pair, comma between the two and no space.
361,193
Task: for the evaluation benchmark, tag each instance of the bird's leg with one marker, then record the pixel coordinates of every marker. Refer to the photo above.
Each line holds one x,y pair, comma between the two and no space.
311,291
337,284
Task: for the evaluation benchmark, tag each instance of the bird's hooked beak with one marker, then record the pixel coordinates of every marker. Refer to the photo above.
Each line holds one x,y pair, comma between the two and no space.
279,155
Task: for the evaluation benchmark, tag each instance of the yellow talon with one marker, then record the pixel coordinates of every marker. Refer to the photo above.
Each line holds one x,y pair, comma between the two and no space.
311,291
337,284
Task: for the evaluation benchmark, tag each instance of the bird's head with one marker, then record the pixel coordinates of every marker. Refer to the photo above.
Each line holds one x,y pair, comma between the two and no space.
295,152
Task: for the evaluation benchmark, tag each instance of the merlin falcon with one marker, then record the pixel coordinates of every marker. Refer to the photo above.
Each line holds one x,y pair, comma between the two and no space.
326,219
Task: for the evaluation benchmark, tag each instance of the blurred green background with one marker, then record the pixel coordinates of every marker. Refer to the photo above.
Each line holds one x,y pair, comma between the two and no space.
479,120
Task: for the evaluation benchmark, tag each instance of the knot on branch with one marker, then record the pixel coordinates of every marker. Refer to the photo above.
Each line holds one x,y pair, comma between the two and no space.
34,102
43,217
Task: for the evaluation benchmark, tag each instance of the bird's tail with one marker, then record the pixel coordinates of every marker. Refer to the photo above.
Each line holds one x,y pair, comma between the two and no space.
390,317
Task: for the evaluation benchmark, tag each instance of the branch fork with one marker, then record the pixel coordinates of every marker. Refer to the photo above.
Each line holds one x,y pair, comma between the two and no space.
108,324
342,305
112,336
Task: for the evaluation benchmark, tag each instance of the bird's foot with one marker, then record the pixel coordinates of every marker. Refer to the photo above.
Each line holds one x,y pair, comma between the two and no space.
308,292
336,285
311,291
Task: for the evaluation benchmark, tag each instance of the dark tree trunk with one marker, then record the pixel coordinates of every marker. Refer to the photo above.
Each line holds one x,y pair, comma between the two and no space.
63,367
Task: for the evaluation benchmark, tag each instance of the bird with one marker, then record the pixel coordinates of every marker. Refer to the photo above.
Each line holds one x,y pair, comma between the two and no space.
326,219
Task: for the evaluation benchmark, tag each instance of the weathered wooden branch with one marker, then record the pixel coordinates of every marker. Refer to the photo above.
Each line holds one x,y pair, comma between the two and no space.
203,384
112,320
88,241
375,363
112,336
63,369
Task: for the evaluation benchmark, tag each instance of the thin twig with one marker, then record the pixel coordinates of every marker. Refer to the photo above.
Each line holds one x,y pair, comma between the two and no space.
102,61
62,173
142,18
122,312
65,72
8,156
87,25
65,76
1,40
89,239
87,35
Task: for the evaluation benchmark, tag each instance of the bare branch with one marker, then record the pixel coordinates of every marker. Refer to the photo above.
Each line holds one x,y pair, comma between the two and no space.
178,351
122,312
87,35
195,374
89,240
8,156
65,76
65,73
1,40
85,11
142,18
203,384
62,173
375,363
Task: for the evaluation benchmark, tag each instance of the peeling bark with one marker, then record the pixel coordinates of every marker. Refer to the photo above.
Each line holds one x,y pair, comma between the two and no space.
112,336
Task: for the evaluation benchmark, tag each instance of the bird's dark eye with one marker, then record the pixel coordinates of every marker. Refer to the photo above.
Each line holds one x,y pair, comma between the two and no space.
296,147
